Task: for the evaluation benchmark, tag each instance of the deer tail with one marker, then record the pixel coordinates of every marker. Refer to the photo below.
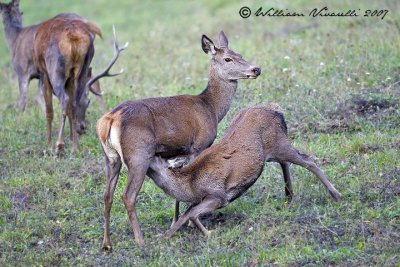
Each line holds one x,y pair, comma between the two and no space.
103,127
94,29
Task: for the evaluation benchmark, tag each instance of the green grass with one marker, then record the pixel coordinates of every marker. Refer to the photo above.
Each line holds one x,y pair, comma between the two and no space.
337,80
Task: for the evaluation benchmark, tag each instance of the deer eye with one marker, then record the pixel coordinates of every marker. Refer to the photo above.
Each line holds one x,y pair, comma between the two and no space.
228,59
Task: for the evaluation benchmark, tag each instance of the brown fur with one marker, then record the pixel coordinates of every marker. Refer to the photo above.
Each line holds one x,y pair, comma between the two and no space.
58,52
63,50
168,127
103,128
224,171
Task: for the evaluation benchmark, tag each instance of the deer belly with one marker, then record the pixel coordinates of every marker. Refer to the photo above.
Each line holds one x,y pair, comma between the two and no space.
171,150
176,190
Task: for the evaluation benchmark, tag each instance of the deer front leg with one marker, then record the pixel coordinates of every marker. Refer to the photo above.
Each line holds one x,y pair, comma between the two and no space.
40,98
208,204
176,213
74,134
23,82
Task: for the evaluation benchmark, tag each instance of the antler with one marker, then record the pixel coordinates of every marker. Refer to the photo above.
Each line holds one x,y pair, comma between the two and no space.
106,71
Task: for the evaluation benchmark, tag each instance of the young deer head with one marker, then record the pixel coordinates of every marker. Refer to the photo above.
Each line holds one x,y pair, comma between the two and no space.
229,65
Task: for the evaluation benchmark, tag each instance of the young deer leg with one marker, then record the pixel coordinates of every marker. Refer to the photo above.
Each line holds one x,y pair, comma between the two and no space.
288,182
137,168
113,168
208,204
176,213
201,227
305,161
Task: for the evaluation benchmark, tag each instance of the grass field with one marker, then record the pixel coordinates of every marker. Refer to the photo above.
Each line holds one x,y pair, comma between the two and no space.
337,81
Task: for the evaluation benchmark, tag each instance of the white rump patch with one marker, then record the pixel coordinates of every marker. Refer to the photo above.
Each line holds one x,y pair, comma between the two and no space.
112,147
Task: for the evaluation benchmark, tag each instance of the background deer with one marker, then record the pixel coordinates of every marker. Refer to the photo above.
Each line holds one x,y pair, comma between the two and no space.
58,52
20,40
136,131
224,171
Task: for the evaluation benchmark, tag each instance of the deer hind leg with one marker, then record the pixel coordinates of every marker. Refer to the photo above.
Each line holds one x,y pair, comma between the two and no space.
64,99
138,165
288,182
113,168
208,204
294,156
56,73
48,98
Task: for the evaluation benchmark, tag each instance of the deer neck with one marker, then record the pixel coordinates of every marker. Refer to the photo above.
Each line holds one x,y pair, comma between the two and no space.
11,30
219,94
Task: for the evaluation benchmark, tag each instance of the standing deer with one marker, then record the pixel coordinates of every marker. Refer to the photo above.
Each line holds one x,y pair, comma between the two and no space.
224,171
20,42
58,52
135,132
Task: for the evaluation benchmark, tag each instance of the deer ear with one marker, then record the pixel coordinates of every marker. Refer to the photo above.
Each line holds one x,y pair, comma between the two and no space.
223,41
207,45
15,2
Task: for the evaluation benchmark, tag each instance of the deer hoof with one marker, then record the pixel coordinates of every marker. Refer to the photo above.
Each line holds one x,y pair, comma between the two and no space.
107,248
191,224
60,151
208,234
336,196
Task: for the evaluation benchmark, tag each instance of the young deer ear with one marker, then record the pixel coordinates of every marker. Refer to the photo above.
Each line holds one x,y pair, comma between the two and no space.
207,45
223,41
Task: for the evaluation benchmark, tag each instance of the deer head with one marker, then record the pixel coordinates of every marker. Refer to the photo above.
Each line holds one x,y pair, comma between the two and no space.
229,65
92,85
11,13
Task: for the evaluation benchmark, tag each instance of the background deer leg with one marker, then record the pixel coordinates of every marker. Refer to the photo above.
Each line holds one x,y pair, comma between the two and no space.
23,82
71,127
48,98
40,98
